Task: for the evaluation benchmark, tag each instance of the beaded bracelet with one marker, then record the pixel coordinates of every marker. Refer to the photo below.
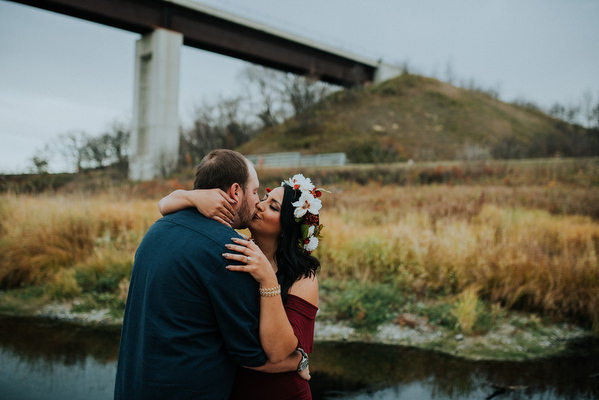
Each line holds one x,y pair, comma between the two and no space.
270,292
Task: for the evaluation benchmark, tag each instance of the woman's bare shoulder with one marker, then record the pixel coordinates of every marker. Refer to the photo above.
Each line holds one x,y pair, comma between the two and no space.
306,288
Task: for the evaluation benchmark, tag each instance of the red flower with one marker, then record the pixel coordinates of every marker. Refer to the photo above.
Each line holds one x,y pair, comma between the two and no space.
311,219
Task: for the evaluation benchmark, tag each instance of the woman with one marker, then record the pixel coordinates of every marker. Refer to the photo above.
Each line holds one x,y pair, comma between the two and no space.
285,230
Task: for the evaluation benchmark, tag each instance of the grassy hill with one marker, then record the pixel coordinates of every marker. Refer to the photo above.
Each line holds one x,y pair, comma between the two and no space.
419,118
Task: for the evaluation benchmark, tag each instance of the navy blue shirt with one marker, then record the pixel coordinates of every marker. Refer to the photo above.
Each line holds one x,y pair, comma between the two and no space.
188,320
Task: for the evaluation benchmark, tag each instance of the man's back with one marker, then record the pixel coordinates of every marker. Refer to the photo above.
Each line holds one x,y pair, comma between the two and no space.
188,320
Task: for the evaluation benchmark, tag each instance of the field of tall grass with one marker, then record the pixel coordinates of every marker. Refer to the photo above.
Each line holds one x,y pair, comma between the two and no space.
65,246
459,255
524,259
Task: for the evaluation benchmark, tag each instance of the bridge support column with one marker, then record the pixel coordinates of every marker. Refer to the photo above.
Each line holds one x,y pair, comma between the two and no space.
154,143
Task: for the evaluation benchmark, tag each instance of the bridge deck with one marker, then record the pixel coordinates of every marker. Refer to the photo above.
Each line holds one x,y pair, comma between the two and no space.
209,29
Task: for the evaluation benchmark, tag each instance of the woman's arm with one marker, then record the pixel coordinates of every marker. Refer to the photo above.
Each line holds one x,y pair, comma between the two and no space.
290,364
276,333
307,289
212,203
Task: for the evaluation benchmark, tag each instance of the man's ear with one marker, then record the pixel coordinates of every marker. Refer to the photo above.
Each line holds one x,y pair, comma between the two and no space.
235,192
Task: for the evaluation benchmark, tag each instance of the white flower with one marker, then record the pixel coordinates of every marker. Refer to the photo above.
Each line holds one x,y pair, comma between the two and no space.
306,202
300,182
311,231
312,245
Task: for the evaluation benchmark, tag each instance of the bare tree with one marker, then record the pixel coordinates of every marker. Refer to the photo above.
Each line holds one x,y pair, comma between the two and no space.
449,73
302,92
219,125
595,117
558,111
590,110
572,113
118,141
278,95
267,99
586,103
41,164
73,146
98,149
41,160
165,164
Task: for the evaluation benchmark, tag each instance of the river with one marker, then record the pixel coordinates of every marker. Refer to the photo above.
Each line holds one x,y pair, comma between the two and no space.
50,360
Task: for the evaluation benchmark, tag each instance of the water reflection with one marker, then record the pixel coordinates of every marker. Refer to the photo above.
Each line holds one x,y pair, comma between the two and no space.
391,372
48,360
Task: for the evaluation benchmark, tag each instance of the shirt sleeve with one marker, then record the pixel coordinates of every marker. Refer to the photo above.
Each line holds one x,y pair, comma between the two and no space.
302,315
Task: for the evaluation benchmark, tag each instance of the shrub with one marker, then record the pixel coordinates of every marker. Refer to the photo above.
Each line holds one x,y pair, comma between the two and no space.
438,313
366,306
63,286
466,311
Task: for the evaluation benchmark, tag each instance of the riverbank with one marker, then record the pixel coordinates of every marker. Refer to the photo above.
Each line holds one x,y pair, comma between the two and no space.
525,338
506,343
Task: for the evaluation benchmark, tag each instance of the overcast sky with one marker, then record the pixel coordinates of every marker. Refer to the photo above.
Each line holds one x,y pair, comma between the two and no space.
59,74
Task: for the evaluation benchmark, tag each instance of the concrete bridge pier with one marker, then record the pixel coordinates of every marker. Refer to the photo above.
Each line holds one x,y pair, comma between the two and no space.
154,143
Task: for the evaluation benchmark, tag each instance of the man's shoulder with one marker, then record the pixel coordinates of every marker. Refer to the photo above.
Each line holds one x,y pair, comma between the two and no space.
192,220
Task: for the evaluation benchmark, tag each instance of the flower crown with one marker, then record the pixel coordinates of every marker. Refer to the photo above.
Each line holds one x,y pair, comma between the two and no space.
306,211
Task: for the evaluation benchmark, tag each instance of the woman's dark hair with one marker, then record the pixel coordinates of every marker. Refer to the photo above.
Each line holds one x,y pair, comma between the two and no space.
293,262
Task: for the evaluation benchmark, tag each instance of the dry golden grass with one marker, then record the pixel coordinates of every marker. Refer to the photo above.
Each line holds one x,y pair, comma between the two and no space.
43,234
468,243
525,259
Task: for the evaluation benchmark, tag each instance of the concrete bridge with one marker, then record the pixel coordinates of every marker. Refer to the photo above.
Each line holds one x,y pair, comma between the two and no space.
166,25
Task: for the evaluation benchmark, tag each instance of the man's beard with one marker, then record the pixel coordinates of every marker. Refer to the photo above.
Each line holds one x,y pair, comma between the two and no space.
245,213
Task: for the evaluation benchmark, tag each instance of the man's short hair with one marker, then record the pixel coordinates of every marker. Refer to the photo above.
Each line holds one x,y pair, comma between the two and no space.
220,169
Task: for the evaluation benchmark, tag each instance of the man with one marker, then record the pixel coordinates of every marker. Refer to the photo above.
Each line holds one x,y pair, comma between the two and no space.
188,320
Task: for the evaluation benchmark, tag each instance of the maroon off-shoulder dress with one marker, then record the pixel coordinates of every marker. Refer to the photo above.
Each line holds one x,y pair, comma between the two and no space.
250,384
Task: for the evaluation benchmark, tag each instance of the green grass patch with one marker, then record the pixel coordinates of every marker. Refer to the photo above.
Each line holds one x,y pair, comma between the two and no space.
438,313
364,305
367,305
100,301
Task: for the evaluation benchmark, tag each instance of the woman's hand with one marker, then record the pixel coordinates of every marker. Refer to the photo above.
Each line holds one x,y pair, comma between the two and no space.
215,204
255,262
211,203
305,374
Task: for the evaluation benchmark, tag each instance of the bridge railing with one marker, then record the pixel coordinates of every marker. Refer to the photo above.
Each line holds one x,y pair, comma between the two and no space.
295,159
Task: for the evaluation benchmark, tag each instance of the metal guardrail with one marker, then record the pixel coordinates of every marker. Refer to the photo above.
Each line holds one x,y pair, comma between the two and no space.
295,159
